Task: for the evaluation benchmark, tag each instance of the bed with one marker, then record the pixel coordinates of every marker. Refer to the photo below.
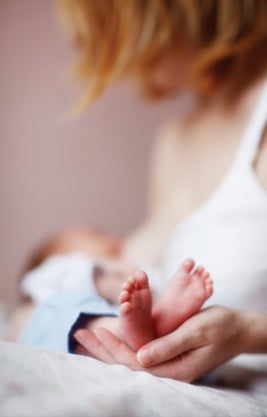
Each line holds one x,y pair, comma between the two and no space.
35,382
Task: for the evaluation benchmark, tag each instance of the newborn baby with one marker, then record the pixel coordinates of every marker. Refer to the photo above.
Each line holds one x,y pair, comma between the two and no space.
140,320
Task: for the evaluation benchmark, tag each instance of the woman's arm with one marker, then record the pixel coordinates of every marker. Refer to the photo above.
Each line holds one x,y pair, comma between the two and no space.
205,341
256,332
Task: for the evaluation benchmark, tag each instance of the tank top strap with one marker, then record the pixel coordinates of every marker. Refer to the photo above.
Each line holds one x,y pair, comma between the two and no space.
253,133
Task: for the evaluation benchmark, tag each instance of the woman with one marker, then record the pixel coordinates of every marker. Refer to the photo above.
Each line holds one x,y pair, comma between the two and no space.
209,175
216,51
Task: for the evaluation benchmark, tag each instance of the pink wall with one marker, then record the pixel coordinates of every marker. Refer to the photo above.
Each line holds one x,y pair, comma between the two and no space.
55,172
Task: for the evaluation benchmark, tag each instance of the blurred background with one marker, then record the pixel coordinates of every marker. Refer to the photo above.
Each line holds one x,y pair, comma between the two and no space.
56,171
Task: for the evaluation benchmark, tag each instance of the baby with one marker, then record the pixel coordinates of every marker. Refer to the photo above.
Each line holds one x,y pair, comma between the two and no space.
140,320
104,249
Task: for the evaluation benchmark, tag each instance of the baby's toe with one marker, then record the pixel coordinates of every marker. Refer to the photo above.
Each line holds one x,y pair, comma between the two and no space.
209,290
199,271
141,280
126,286
125,308
187,265
123,296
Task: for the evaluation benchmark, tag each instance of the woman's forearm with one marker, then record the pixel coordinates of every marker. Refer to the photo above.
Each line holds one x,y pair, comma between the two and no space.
255,331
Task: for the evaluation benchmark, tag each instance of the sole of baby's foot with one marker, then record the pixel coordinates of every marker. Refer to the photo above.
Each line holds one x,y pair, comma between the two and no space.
135,305
184,296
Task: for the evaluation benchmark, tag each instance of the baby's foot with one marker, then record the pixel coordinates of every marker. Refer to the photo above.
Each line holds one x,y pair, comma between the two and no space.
183,297
135,304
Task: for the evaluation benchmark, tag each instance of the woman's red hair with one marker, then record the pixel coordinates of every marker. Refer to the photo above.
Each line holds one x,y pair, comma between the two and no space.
121,37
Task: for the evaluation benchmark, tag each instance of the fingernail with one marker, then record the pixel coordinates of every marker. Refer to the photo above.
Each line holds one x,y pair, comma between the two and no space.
144,357
96,333
79,335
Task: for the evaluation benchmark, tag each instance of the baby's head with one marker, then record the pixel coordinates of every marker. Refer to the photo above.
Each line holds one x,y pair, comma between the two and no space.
96,244
78,239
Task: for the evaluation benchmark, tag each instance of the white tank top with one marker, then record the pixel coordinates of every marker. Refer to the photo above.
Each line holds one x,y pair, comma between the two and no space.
228,234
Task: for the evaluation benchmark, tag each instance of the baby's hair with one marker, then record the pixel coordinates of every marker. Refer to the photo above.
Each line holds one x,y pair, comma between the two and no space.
127,37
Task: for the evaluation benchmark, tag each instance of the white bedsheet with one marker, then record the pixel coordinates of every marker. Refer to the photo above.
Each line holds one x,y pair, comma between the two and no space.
35,382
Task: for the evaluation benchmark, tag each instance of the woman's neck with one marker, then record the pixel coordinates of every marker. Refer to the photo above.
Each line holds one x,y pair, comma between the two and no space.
227,102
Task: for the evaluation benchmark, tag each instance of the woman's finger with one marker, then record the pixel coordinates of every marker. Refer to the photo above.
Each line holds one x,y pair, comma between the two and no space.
196,363
120,352
170,346
91,346
80,350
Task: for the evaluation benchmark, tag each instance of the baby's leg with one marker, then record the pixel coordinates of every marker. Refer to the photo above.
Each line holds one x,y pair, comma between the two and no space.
135,321
134,326
183,297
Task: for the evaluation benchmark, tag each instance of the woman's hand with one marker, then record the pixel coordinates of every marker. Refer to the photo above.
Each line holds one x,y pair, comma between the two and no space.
200,344
105,346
